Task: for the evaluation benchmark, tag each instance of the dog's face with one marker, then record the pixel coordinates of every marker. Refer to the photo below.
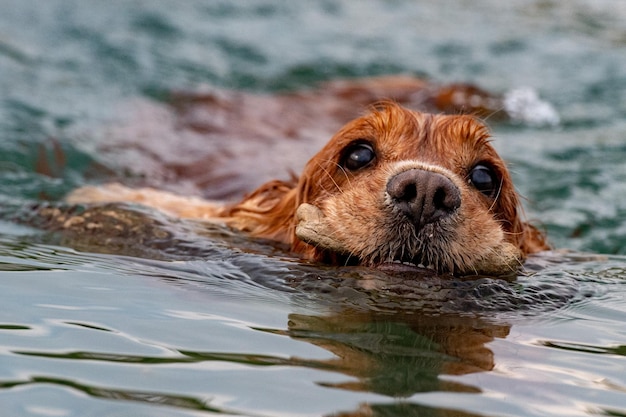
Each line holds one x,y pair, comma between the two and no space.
398,186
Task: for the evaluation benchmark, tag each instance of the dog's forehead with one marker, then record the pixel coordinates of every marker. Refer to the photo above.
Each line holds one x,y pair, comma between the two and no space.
398,133
439,139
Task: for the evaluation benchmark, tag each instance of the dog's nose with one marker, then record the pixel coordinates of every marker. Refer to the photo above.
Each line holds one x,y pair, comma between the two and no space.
424,196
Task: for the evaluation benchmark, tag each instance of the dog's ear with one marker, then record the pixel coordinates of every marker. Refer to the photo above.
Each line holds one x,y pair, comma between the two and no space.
268,212
532,239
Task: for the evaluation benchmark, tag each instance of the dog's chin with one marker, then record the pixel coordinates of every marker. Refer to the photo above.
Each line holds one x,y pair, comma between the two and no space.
503,261
505,265
418,263
405,267
501,265
388,266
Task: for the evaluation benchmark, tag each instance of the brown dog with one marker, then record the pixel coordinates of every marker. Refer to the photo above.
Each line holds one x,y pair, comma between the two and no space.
391,188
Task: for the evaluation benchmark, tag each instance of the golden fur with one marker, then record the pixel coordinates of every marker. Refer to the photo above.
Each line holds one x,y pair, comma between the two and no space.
357,207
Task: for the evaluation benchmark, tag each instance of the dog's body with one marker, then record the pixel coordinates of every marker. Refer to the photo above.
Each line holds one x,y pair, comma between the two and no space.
393,187
222,144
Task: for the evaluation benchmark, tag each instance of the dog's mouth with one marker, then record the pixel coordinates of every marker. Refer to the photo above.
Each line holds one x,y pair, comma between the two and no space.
388,267
398,266
312,228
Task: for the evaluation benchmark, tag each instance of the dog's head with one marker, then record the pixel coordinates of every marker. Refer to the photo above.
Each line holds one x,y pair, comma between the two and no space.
398,186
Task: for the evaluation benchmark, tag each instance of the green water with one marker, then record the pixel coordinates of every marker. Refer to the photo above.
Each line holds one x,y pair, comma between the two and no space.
209,323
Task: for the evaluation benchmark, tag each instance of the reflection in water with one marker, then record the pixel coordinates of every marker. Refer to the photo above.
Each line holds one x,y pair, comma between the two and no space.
400,356
396,356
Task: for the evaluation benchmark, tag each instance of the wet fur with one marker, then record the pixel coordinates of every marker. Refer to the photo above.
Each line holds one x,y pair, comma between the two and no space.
356,206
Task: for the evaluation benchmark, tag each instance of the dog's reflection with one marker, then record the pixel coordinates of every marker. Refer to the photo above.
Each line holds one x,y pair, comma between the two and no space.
400,355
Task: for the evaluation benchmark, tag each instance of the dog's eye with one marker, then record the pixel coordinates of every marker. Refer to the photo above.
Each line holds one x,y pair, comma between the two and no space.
358,156
484,179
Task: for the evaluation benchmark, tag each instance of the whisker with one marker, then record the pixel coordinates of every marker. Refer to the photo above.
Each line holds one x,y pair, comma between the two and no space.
495,199
319,165
495,111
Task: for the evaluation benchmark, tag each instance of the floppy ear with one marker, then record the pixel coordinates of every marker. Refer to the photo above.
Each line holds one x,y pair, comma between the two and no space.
530,238
271,211
268,212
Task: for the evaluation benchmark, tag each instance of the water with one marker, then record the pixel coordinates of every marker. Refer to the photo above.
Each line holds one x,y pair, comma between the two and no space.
198,321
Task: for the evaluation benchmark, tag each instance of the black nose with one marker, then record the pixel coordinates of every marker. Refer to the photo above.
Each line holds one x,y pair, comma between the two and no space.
424,196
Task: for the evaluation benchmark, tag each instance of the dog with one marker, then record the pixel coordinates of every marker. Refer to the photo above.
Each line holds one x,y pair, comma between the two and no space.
395,189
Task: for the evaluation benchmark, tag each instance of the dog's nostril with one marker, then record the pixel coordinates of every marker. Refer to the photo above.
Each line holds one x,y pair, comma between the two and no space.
447,197
408,191
424,196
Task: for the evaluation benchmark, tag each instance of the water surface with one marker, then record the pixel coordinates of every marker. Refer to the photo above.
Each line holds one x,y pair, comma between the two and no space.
199,321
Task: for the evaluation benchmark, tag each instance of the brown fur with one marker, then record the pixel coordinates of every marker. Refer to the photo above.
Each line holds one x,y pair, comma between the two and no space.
355,204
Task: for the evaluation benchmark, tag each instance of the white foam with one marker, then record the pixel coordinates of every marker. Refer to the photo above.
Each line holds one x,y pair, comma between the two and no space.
525,106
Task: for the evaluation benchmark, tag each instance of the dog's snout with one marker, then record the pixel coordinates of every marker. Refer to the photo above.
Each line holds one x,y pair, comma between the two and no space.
424,196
